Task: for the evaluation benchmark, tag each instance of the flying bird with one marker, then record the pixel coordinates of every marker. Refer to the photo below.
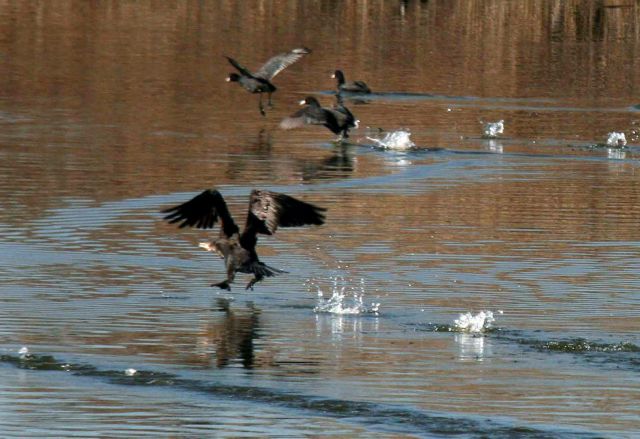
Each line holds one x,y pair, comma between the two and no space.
260,81
267,211
337,119
351,86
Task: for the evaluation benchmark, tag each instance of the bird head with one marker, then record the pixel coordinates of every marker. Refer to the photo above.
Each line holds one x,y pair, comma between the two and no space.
338,75
310,100
212,247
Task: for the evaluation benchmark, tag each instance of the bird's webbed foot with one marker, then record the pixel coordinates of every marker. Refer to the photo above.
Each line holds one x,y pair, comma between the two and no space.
223,285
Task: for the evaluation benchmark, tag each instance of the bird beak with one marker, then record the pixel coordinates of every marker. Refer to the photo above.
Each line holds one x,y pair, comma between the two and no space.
333,75
357,123
228,79
302,102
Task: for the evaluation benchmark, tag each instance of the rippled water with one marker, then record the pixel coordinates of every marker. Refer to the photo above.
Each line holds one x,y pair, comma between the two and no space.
110,112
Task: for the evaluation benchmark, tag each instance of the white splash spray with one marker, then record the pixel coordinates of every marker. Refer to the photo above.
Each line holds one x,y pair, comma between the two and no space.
398,140
491,130
346,298
616,140
479,322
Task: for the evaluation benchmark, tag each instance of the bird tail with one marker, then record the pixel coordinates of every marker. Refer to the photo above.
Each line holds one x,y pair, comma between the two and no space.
261,269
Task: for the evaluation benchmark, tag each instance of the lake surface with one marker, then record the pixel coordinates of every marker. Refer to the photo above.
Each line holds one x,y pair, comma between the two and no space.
113,111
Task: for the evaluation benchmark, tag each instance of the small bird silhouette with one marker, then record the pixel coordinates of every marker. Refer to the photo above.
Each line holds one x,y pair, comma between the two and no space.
267,211
260,81
351,86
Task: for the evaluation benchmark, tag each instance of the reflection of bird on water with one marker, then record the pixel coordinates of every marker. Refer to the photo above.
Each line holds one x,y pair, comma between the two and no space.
339,165
260,81
267,211
234,336
338,119
350,86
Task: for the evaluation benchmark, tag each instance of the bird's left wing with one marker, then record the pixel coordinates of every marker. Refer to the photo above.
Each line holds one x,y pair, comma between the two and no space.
280,62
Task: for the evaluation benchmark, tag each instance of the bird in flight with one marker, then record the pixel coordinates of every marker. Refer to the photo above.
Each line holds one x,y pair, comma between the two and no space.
260,81
267,211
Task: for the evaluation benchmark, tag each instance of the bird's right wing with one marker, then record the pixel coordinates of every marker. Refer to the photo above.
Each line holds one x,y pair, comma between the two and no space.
268,210
202,212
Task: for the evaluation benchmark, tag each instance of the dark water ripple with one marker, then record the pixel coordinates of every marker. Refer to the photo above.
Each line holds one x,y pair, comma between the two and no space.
616,355
376,417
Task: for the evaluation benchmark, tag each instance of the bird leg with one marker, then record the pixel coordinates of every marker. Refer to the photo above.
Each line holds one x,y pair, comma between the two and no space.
257,278
226,284
269,103
260,105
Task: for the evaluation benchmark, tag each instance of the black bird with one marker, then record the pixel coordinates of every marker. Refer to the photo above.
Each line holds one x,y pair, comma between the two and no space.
338,119
267,211
351,86
260,81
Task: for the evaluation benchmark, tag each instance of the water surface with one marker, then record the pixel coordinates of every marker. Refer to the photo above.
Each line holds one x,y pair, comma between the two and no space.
110,112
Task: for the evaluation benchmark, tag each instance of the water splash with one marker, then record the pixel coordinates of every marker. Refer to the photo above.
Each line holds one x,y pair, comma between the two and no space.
616,140
398,140
339,303
491,130
479,322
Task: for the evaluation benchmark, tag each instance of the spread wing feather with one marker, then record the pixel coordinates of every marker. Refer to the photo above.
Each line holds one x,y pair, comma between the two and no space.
308,115
239,67
279,62
270,210
202,212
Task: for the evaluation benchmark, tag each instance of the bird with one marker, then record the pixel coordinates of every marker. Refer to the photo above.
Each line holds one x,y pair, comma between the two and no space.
351,86
260,81
267,211
338,119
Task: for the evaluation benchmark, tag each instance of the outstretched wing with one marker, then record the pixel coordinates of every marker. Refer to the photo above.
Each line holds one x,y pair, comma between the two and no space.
202,212
239,67
302,118
269,210
280,62
309,115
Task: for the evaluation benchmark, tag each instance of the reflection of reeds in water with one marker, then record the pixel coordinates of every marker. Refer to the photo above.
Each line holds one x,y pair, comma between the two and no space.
114,78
